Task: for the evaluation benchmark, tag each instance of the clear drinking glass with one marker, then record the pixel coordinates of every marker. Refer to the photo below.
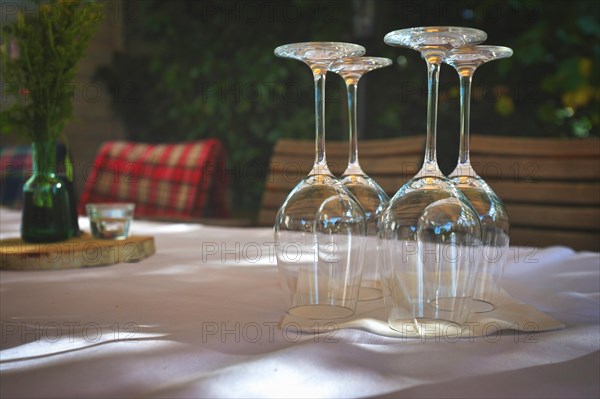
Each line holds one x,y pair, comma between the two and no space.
366,190
492,212
110,221
429,233
320,228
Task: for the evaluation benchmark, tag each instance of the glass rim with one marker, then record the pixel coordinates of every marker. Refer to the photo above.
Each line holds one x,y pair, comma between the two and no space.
110,205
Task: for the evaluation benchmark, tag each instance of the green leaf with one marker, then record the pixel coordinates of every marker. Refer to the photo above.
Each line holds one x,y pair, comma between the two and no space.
589,25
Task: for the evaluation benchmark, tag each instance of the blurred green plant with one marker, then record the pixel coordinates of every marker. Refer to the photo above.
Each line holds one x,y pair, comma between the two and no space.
40,53
557,47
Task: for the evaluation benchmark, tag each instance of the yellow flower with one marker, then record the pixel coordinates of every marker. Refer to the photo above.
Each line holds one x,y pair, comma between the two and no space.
505,105
453,92
577,98
585,67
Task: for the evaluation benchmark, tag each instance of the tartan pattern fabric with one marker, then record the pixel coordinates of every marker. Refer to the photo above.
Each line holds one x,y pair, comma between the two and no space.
163,180
16,167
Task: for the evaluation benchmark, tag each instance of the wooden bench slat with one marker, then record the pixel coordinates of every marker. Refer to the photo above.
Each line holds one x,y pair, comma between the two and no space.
493,168
267,217
544,238
557,217
412,145
551,186
520,215
405,165
526,146
284,182
548,192
519,236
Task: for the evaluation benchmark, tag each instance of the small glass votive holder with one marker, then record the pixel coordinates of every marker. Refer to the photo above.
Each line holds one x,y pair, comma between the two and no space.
110,221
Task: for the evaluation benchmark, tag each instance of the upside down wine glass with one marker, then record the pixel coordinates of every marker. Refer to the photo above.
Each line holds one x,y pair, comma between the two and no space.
366,190
320,228
490,208
429,233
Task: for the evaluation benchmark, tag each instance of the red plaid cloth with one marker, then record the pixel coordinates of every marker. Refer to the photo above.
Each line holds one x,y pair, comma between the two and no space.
16,167
163,180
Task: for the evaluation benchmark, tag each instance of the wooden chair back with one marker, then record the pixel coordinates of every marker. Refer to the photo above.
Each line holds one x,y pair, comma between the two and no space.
551,187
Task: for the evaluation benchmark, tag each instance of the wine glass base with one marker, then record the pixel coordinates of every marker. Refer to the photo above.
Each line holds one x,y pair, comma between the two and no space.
450,303
426,327
481,306
321,312
370,292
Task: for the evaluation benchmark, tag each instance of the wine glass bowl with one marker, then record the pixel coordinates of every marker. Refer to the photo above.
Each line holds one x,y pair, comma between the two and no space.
366,190
493,216
319,232
429,233
320,228
430,239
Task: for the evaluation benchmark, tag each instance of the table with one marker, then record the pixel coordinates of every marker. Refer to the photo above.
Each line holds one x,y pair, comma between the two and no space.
199,319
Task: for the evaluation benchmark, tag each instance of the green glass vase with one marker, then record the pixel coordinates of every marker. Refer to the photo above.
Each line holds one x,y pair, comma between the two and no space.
46,209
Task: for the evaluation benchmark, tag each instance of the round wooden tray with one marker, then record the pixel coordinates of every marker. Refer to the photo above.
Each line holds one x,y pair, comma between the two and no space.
83,251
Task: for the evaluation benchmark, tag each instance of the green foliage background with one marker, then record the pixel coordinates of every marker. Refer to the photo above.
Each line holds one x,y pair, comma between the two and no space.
207,69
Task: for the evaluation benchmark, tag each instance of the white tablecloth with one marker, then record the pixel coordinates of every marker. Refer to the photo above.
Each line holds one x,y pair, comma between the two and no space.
199,319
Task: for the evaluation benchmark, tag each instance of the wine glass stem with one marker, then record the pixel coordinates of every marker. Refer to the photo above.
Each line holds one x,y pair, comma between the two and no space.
465,114
353,165
433,76
320,166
